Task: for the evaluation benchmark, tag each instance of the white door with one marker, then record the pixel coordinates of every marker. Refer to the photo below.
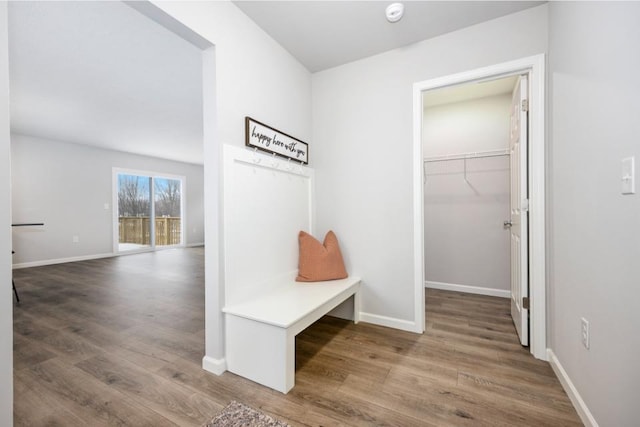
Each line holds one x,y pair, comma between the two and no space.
519,211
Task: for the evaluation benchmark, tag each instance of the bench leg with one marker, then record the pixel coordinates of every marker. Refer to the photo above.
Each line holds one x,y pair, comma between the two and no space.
356,307
260,352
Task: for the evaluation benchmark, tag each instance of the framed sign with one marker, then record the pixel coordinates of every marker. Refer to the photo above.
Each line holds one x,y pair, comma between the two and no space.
266,138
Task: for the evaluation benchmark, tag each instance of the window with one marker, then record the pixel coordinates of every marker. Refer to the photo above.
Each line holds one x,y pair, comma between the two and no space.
149,211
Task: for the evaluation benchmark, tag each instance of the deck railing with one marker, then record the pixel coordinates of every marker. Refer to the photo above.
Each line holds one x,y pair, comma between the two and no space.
135,229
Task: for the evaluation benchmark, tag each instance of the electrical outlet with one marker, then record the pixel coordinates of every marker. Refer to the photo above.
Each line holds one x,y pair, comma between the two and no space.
75,239
585,332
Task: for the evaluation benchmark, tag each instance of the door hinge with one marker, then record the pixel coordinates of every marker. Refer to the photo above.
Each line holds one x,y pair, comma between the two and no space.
525,205
525,105
525,302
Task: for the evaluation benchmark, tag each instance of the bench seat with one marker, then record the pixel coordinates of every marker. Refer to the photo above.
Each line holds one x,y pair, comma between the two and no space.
260,332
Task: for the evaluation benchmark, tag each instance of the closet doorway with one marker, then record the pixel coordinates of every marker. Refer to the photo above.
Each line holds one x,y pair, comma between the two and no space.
474,170
481,205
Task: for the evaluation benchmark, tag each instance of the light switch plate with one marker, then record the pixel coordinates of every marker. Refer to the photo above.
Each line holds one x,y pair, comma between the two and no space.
628,176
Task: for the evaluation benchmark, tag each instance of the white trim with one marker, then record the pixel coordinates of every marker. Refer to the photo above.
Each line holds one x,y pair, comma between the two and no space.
61,260
535,67
418,209
502,293
537,197
579,404
115,232
215,366
390,322
103,255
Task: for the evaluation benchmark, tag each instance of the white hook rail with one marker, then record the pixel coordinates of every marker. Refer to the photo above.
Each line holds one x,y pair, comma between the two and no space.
296,167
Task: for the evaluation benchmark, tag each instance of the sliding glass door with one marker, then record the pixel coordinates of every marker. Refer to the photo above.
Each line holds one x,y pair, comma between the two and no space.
168,211
134,211
149,211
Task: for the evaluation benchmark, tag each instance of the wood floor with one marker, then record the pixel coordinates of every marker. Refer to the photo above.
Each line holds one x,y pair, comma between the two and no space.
120,341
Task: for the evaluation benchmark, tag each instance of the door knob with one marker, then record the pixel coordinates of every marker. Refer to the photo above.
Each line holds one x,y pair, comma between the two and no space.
508,224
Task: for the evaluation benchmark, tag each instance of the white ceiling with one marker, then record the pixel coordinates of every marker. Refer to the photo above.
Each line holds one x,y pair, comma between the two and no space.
102,74
325,34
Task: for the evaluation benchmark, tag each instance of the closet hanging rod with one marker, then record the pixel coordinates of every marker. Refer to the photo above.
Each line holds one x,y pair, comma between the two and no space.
476,155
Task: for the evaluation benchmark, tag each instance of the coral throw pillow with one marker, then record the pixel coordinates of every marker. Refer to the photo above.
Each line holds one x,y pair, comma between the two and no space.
320,261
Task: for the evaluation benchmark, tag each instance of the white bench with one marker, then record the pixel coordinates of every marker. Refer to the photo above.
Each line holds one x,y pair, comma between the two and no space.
260,332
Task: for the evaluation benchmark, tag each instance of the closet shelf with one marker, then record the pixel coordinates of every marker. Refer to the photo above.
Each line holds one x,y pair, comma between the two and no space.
465,156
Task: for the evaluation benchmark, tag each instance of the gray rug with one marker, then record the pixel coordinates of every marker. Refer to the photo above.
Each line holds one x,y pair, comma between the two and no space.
240,415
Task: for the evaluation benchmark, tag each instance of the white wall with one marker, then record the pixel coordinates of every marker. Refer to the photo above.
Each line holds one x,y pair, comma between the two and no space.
362,149
595,254
460,127
6,295
66,186
465,242
255,76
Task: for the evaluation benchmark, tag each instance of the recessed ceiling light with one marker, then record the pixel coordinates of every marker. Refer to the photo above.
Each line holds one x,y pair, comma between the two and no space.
394,12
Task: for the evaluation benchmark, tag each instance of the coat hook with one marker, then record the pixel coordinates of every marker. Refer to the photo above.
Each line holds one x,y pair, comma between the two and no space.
256,159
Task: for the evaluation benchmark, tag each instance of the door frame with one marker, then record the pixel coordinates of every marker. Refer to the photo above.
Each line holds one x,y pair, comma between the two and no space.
534,67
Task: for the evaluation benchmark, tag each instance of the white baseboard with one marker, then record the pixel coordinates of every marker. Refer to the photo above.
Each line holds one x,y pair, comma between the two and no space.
90,257
581,407
468,289
390,322
215,366
61,260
